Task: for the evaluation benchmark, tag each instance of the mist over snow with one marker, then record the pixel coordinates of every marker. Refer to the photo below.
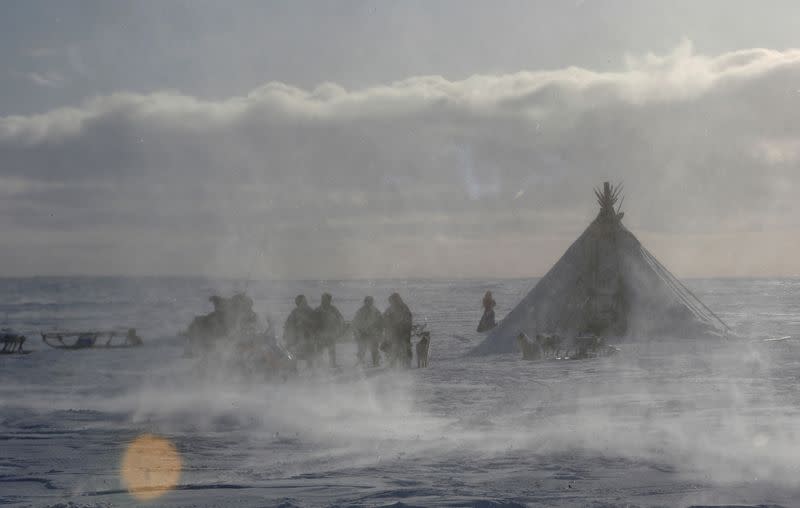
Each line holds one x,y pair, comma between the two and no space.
680,423
418,177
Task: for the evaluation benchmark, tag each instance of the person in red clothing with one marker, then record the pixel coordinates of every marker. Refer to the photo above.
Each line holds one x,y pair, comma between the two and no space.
487,320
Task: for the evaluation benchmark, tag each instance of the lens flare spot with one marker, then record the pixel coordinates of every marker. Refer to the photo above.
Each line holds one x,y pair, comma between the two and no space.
151,467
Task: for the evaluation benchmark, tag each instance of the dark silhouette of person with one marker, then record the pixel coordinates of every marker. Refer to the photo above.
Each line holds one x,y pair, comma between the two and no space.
397,322
214,325
330,326
368,331
487,321
299,331
240,317
132,339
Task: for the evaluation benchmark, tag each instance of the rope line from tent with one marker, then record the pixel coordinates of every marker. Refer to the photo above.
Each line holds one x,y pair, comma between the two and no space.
728,328
667,278
676,282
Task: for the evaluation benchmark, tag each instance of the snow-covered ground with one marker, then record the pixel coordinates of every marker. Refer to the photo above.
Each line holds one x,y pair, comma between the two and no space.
664,424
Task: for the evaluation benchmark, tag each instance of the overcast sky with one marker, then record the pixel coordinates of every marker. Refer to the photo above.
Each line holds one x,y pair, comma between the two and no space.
403,139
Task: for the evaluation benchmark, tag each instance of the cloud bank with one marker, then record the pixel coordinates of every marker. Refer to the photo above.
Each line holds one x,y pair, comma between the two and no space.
486,176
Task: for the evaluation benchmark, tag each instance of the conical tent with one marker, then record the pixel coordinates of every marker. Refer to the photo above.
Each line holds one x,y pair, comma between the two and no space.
607,284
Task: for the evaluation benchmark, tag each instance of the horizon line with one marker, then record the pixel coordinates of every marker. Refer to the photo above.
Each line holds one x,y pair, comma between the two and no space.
347,279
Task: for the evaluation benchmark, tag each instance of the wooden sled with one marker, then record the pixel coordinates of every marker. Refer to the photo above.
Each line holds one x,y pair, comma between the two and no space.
88,340
583,347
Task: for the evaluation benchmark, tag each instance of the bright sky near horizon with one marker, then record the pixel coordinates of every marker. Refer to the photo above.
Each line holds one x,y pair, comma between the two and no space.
407,139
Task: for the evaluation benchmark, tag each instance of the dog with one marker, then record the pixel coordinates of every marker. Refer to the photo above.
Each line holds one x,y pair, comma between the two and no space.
587,345
422,349
531,350
12,342
551,345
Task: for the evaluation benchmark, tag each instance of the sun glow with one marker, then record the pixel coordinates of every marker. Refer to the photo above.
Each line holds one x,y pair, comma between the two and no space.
151,467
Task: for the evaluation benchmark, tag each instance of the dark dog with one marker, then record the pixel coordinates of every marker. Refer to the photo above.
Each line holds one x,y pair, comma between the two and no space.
422,349
588,344
12,342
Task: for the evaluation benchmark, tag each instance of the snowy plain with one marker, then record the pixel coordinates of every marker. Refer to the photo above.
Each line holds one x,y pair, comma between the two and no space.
680,423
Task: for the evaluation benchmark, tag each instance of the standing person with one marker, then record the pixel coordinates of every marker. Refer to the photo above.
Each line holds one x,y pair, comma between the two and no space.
397,322
132,339
368,329
299,331
487,320
330,326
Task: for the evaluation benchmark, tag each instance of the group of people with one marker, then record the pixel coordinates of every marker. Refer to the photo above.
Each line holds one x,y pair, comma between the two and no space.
234,315
309,332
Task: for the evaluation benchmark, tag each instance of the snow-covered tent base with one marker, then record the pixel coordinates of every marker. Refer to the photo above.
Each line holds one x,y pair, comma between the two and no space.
609,285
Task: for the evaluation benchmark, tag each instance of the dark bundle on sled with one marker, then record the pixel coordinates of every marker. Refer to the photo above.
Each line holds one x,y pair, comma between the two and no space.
231,317
229,336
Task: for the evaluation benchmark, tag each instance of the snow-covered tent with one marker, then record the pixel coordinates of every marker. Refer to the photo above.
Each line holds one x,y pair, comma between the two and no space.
607,284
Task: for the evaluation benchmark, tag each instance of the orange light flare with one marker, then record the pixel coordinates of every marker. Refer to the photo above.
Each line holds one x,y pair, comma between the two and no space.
151,467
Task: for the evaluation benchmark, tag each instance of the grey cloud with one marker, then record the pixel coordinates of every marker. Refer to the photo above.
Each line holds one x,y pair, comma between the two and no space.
48,79
699,142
